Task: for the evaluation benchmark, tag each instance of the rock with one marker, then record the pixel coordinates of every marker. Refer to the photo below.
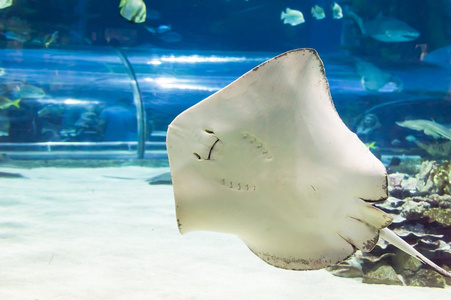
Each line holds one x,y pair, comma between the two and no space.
392,205
403,263
350,268
416,233
439,215
426,277
412,210
423,182
447,279
400,185
434,177
382,273
394,180
345,271
432,208
428,244
410,183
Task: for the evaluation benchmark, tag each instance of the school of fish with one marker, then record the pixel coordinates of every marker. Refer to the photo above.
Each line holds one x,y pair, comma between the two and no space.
295,17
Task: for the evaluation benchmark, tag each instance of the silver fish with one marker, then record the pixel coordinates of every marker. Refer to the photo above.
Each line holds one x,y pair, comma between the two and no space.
292,17
337,12
26,90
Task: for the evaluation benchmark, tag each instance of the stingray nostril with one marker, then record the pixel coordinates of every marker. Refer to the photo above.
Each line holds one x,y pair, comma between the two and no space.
197,156
209,131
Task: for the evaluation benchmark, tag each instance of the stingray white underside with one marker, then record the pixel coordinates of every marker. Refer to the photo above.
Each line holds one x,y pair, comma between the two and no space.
269,159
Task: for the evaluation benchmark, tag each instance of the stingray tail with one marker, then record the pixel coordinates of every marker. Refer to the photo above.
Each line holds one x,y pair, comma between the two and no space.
392,238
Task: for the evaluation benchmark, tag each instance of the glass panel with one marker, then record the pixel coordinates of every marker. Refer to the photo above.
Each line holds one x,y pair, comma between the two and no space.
67,100
172,81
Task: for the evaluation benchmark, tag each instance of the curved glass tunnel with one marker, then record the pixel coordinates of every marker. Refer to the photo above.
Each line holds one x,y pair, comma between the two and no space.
114,103
103,102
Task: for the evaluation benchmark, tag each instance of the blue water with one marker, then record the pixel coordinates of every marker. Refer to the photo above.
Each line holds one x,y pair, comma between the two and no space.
82,71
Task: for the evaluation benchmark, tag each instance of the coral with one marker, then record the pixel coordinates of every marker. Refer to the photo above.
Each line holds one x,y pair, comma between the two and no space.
440,215
350,268
427,278
434,177
421,208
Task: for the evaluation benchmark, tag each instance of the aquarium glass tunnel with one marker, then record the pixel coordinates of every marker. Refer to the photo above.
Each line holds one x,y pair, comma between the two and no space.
64,95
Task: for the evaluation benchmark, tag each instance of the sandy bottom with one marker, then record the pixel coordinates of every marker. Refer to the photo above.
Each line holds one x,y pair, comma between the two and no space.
76,234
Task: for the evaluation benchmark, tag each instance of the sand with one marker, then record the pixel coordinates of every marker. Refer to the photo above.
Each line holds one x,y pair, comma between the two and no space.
77,234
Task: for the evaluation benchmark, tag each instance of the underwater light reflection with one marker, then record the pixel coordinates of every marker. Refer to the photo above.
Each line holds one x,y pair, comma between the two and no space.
68,101
71,101
182,84
205,59
63,56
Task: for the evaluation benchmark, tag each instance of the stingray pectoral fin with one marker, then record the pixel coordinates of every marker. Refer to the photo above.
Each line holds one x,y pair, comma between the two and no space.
359,234
368,171
361,227
374,216
302,251
395,240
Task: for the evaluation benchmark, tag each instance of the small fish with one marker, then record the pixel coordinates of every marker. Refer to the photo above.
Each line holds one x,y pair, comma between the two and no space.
5,3
150,29
337,12
49,39
292,17
133,10
163,28
6,103
2,71
371,146
25,90
318,12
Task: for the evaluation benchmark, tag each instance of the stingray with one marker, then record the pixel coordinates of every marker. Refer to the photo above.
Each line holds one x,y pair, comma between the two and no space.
268,158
